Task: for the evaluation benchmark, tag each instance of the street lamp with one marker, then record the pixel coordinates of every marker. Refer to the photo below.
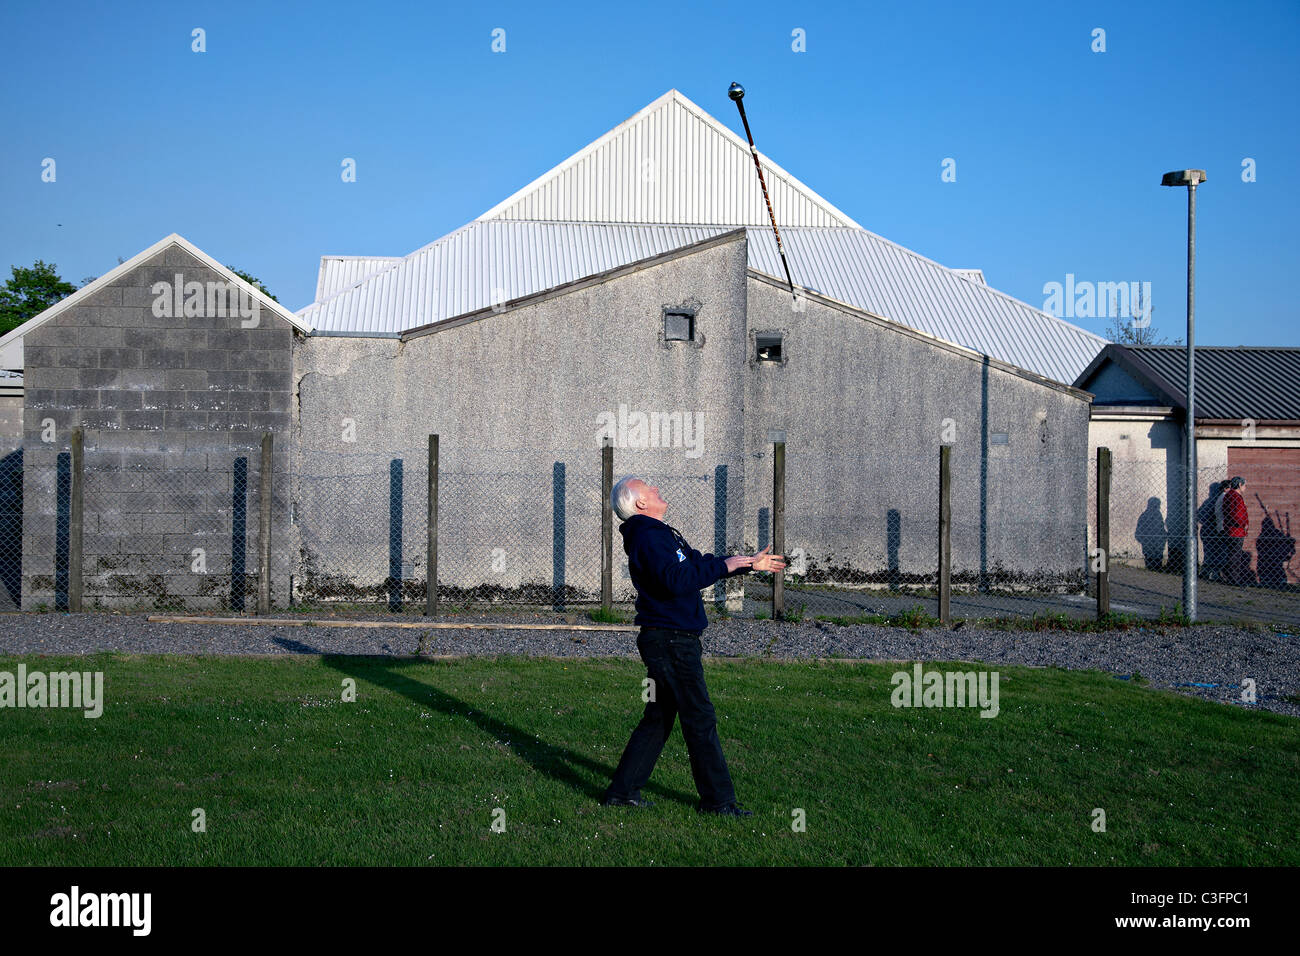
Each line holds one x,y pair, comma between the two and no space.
1190,178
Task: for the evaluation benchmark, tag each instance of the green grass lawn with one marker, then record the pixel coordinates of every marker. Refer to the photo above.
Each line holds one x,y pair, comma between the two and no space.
410,773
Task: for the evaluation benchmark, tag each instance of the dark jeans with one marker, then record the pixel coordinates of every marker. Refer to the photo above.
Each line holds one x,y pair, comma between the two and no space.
672,660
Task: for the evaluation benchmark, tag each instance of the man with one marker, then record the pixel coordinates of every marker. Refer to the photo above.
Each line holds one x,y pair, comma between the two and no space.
668,575
1232,520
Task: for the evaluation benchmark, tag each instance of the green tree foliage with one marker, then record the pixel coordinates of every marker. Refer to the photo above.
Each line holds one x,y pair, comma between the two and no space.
29,292
254,282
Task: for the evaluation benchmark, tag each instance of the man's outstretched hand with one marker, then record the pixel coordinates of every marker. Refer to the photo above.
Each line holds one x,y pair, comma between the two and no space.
763,561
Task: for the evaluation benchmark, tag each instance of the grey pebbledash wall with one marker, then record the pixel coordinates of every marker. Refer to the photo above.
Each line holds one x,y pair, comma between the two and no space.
519,399
866,405
173,410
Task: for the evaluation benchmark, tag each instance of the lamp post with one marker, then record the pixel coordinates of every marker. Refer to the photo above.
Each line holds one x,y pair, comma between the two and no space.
1190,178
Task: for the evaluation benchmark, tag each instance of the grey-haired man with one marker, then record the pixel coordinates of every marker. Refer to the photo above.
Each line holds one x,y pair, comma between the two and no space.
668,575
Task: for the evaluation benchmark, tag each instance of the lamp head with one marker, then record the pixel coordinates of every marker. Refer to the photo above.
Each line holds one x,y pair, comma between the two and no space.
1183,177
736,92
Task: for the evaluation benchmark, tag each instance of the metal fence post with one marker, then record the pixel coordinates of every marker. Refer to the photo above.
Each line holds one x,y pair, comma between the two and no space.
606,526
945,535
1102,559
264,529
431,539
76,522
778,527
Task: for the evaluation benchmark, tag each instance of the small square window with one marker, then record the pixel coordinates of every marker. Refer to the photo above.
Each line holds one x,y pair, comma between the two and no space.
679,327
768,347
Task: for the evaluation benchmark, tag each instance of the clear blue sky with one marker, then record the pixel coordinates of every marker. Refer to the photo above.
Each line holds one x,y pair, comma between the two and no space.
1059,150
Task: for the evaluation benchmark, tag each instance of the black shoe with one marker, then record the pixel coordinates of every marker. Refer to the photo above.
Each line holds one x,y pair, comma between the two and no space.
730,810
626,802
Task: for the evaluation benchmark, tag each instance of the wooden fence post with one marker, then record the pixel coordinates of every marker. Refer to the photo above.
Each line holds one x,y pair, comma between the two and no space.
945,535
264,528
778,527
606,526
76,522
1101,559
431,543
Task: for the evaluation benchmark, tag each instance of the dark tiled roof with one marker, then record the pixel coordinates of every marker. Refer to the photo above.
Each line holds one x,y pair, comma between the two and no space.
1238,382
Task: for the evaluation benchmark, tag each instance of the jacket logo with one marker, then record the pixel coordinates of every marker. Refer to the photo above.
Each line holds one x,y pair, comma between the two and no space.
680,557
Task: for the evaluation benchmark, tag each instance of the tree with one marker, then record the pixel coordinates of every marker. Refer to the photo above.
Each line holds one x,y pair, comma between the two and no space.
29,292
254,282
1124,331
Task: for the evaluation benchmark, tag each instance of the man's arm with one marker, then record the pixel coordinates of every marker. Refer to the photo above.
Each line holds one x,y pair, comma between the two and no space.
692,572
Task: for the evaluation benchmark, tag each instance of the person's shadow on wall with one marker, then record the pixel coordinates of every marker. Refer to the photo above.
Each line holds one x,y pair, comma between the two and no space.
1151,536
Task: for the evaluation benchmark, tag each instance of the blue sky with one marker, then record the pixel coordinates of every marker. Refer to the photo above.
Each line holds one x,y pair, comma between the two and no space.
1058,149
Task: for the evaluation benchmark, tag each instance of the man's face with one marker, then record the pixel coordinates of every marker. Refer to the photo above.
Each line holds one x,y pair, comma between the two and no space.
650,502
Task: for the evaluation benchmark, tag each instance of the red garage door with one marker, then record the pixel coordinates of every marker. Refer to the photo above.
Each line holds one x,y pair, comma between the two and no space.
1273,483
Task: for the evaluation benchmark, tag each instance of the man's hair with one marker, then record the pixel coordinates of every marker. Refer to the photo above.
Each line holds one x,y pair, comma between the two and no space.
623,498
1237,482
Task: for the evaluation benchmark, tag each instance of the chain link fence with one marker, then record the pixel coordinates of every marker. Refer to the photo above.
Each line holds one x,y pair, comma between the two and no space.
179,529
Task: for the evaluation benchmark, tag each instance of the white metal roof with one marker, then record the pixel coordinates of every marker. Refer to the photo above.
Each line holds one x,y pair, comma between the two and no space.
596,211
670,163
340,272
486,263
878,276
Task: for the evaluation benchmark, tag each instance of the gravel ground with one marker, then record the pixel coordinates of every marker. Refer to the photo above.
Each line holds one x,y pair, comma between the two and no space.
1166,657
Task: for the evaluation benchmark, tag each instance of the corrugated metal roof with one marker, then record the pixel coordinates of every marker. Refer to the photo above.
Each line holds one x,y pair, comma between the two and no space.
489,262
1231,382
340,272
499,260
665,165
594,213
884,278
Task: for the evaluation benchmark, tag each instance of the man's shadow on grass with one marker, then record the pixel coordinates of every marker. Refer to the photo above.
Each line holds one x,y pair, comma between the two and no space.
558,763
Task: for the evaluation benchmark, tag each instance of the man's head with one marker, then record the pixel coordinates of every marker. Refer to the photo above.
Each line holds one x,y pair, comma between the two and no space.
632,496
1237,482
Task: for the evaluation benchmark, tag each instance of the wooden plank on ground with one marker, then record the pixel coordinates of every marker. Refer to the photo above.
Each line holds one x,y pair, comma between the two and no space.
416,625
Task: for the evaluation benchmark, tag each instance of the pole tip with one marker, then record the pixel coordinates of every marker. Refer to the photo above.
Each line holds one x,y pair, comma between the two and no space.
736,91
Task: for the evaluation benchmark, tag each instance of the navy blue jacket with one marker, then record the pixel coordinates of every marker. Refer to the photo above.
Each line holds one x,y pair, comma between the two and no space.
668,574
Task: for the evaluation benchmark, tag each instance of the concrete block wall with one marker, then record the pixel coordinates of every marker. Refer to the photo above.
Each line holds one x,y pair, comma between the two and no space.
173,409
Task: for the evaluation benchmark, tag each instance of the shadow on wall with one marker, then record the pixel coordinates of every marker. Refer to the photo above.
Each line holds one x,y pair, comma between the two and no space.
1151,536
11,526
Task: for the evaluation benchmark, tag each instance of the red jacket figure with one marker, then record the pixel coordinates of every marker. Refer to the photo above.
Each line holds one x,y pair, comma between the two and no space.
1231,512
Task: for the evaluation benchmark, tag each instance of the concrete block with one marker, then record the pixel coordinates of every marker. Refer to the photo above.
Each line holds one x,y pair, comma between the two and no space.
70,357
162,358
209,359
118,358
186,379
142,379
186,420
228,380
97,378
75,397
261,359
121,400
228,421
143,420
